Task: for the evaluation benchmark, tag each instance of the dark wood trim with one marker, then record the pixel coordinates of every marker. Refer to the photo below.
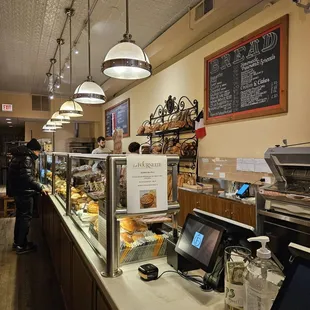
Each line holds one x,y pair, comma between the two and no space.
282,107
128,117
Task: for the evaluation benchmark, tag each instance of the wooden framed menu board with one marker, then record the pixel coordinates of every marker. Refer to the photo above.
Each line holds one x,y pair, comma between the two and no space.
118,117
249,77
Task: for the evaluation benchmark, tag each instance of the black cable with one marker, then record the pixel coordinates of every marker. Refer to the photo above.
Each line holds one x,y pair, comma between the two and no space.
173,271
191,278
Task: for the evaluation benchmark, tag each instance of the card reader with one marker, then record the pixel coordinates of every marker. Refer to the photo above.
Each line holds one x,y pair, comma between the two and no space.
148,272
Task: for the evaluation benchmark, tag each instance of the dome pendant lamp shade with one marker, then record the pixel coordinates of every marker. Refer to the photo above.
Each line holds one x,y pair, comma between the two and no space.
56,117
55,125
126,60
71,108
89,92
48,129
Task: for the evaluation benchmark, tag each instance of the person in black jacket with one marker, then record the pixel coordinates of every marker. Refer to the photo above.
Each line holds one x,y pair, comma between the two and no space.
23,186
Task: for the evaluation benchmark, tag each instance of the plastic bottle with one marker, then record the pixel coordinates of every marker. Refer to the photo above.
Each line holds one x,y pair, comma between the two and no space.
262,279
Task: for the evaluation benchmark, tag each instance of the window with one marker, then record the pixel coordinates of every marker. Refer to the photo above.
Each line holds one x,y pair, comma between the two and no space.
40,103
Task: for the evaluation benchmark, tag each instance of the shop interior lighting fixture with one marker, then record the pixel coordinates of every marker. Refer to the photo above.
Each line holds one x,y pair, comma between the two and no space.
89,92
55,125
75,50
9,122
126,60
56,117
60,42
70,108
48,129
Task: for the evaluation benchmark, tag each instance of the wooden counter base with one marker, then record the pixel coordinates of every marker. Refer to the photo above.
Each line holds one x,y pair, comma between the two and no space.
78,270
238,211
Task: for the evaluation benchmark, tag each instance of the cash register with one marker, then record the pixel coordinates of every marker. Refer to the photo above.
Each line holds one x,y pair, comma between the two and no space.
202,242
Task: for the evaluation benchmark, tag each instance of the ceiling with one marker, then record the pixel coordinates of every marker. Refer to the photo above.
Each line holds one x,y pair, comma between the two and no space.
29,29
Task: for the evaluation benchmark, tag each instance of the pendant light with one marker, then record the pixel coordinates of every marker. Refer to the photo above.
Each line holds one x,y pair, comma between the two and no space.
126,60
56,125
70,108
48,129
56,117
89,92
60,42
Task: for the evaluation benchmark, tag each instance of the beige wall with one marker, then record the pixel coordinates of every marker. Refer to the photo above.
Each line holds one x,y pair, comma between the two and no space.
86,130
22,108
247,138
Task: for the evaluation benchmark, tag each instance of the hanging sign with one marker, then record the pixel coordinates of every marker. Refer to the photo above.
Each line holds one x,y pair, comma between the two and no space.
7,107
146,183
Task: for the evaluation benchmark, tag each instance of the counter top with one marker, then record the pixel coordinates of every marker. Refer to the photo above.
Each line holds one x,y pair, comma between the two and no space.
128,292
169,292
249,201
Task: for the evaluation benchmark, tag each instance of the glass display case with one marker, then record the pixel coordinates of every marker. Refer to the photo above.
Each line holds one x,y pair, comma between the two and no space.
45,168
87,198
93,189
60,163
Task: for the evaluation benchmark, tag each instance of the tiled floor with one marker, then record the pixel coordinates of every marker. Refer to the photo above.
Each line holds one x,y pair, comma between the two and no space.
27,282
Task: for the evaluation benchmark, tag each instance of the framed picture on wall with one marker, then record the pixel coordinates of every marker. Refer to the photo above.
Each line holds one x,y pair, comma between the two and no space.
118,117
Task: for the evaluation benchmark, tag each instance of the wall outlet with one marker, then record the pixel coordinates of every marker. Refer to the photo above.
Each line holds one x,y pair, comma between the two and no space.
267,180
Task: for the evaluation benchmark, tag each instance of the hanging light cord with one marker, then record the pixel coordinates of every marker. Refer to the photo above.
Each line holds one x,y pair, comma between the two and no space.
89,64
127,36
70,38
60,43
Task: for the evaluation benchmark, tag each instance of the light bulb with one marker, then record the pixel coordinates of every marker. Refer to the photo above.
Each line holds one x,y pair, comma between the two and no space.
67,65
51,96
61,75
75,51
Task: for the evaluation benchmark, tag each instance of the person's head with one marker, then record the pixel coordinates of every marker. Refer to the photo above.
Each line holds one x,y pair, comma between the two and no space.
34,146
101,141
134,147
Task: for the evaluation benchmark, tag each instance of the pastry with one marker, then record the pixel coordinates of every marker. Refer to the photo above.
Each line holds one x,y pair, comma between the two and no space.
140,130
148,129
128,224
169,187
137,236
164,127
75,196
147,200
180,180
93,208
156,127
126,237
74,190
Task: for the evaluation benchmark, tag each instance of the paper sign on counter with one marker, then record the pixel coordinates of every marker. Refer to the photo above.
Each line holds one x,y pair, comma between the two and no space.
222,175
146,183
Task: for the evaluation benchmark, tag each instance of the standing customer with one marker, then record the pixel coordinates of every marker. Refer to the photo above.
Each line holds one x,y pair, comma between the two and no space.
23,187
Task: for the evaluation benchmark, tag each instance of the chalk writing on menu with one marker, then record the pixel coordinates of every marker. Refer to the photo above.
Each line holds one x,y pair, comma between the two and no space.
245,78
117,117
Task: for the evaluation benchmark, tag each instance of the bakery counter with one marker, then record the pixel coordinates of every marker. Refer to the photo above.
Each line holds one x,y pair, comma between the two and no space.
243,211
79,269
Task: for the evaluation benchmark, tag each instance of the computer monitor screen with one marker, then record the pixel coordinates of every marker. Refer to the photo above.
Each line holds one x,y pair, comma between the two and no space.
199,241
294,293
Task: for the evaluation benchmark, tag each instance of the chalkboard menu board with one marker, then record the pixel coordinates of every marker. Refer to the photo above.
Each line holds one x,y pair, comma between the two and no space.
249,77
118,117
